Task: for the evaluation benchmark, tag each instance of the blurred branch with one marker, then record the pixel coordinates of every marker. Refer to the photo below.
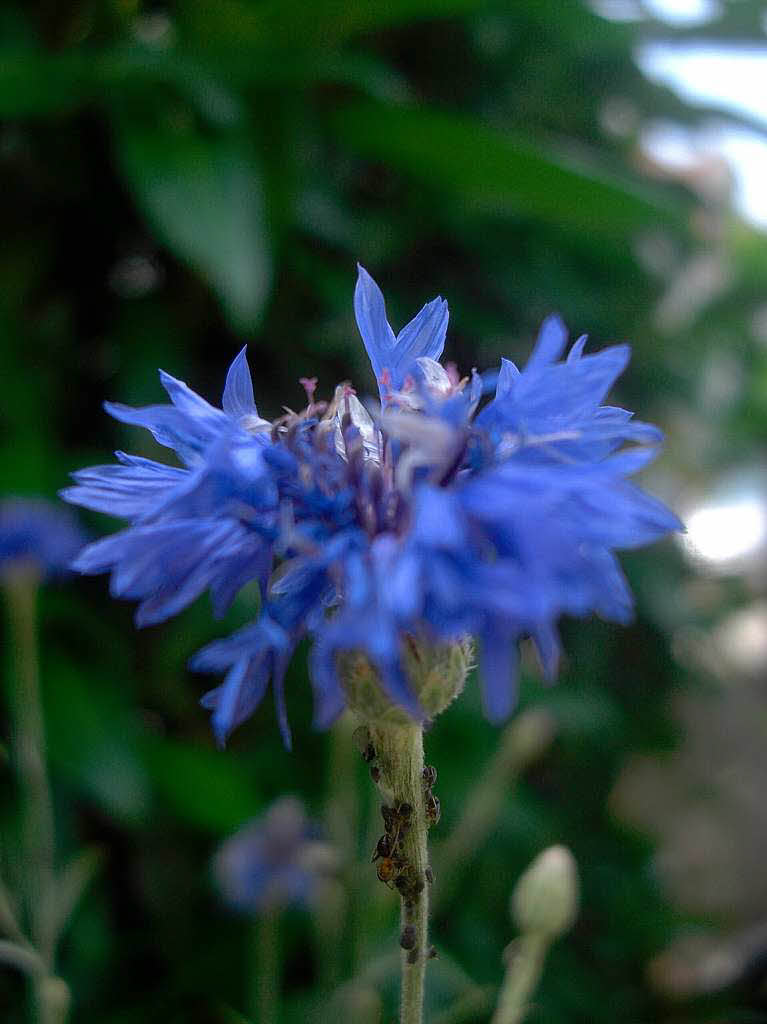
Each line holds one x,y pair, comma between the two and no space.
522,742
21,957
71,884
9,924
478,1002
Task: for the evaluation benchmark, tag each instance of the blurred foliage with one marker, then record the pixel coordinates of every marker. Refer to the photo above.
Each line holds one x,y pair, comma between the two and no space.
178,179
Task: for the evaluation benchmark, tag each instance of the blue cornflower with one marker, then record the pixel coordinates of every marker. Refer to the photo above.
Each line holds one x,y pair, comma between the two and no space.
275,862
391,536
37,533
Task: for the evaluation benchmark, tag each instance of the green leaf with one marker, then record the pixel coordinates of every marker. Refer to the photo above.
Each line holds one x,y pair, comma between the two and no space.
32,84
237,24
203,786
204,197
491,171
94,742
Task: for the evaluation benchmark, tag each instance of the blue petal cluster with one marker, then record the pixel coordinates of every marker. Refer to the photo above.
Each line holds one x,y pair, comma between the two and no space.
449,511
274,862
38,533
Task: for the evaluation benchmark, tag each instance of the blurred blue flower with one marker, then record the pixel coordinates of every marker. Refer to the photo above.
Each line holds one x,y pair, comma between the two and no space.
433,519
38,533
274,862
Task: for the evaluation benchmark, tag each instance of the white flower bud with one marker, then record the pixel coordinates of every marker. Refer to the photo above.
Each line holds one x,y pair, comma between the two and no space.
545,899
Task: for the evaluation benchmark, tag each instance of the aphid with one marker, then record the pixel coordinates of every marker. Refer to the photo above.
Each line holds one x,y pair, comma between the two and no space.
429,776
404,810
385,870
431,953
362,738
429,875
407,938
433,809
383,848
389,816
412,957
375,773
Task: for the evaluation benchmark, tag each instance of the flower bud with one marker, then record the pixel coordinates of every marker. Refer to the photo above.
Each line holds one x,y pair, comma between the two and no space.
545,899
436,672
529,736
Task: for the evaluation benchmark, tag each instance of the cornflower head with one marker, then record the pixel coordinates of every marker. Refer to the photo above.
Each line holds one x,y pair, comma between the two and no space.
37,534
456,511
275,861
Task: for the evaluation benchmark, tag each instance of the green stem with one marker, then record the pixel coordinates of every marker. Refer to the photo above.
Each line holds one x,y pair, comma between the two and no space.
522,977
265,997
336,913
37,824
399,753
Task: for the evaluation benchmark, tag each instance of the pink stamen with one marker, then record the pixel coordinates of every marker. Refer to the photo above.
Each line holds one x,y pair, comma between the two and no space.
452,374
309,384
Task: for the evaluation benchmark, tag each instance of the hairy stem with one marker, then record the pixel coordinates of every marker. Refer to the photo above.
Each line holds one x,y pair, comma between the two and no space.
399,757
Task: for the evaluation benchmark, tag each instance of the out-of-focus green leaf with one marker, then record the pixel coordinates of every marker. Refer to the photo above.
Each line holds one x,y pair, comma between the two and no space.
32,85
204,198
93,741
36,84
491,171
236,23
204,787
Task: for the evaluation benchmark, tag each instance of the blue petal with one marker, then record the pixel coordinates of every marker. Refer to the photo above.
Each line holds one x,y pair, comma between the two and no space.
437,519
128,491
547,644
239,696
370,311
423,336
506,378
549,345
329,700
170,427
238,399
576,351
190,403
499,662
252,656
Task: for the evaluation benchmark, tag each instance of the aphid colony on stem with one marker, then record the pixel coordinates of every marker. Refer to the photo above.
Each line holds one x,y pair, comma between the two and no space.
394,868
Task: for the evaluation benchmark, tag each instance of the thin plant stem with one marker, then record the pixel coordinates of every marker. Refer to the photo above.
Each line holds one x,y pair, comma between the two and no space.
37,823
265,995
339,905
524,972
399,753
9,925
